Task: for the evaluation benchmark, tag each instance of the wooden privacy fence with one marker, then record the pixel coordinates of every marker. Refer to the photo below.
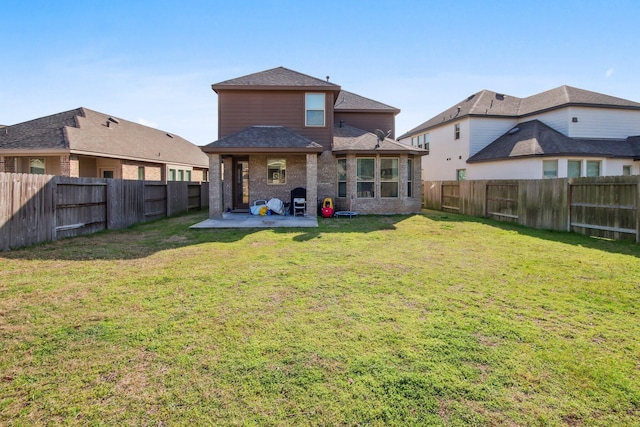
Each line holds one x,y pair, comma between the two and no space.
599,206
40,208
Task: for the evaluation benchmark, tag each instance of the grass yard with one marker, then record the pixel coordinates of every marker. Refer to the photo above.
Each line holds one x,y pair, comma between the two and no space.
433,319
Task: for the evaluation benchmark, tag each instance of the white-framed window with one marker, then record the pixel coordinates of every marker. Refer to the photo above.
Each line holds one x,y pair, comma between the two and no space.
549,168
574,169
426,141
37,166
461,174
365,177
188,175
141,173
626,170
276,171
414,141
593,167
389,177
180,175
342,177
172,175
314,109
420,141
456,131
409,177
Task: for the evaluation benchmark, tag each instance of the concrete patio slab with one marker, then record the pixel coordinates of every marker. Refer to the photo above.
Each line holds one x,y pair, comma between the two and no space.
245,220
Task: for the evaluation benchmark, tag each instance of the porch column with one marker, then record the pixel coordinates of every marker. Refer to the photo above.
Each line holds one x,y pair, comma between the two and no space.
215,186
312,185
65,165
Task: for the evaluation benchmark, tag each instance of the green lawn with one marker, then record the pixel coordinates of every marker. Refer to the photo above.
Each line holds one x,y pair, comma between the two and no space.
433,319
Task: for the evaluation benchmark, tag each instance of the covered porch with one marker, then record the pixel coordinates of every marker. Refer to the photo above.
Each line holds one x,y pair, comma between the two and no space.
261,163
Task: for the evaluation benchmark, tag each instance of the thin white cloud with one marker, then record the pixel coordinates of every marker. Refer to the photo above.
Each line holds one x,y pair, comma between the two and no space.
609,72
146,122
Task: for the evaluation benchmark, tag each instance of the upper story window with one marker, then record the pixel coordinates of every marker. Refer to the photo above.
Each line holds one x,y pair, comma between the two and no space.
456,131
314,109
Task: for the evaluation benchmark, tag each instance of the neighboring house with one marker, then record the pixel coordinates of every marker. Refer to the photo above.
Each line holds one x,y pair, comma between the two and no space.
85,143
563,132
279,130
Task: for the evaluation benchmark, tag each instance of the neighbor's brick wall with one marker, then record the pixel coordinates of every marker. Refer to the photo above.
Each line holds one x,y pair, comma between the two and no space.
65,166
152,171
7,164
74,166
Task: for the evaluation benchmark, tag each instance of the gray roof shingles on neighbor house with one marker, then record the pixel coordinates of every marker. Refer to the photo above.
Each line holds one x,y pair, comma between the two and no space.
534,138
493,104
88,132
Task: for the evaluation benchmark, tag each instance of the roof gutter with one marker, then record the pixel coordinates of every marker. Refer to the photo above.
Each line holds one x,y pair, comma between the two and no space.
260,150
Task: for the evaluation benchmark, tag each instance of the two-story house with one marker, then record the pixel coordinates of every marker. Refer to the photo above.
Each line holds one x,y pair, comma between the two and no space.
279,130
563,132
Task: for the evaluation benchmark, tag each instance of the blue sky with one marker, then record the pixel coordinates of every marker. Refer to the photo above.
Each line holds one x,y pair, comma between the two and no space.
153,62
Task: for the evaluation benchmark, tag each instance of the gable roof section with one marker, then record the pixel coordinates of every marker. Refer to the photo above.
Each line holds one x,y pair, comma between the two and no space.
263,139
45,133
347,139
566,95
279,78
87,132
351,102
493,104
534,138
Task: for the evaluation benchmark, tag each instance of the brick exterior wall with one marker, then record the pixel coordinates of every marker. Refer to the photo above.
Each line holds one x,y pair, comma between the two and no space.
258,187
65,166
74,166
152,171
379,205
7,164
323,183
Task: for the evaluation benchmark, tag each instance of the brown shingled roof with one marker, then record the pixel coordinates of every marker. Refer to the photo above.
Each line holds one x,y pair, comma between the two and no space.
84,131
347,139
257,139
351,102
276,78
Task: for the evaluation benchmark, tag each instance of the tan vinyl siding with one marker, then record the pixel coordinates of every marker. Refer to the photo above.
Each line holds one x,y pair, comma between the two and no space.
241,109
368,121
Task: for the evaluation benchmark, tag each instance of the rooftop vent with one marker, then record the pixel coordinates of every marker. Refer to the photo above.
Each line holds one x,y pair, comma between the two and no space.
113,120
500,96
169,135
514,130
